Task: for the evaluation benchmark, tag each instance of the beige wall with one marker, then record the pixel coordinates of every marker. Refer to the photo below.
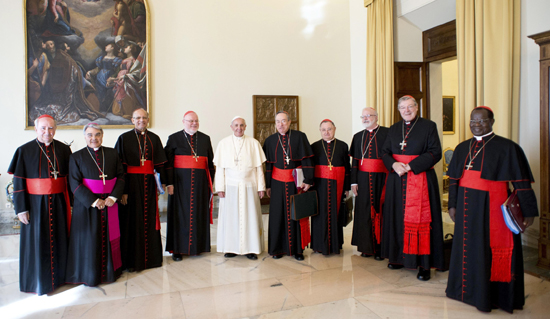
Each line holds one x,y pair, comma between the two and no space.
449,85
211,57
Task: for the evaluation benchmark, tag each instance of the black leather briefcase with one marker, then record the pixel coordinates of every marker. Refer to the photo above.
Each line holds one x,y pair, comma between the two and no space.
346,211
303,205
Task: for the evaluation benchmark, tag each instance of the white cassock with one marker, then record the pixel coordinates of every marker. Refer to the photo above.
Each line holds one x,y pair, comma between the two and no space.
240,175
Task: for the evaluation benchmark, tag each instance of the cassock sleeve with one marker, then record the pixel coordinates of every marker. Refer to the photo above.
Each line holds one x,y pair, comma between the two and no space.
347,183
387,153
260,178
169,168
219,180
159,157
453,193
527,198
119,147
20,195
268,165
354,163
118,190
308,167
81,193
210,155
431,156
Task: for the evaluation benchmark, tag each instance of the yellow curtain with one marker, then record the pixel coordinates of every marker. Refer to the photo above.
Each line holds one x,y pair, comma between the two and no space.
380,58
488,52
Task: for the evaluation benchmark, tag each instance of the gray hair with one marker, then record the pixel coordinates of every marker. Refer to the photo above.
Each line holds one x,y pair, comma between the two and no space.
92,125
50,117
406,98
285,113
372,108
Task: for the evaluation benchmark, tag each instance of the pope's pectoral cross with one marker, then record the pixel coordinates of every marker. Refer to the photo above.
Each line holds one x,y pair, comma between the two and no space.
403,144
287,160
103,176
54,173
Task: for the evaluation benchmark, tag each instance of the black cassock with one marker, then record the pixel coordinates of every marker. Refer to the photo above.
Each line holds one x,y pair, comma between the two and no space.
423,141
284,233
189,208
140,241
369,188
43,242
90,258
327,234
470,269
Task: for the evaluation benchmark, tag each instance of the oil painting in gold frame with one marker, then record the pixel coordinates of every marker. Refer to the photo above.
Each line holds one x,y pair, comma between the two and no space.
87,61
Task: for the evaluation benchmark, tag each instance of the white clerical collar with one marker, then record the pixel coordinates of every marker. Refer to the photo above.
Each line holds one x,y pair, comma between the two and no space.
140,132
238,137
373,128
96,149
328,142
191,134
479,138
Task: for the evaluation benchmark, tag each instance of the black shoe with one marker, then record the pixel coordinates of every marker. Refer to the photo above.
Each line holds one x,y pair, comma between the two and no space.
251,256
131,270
378,257
299,256
277,256
177,257
365,255
394,266
423,274
229,255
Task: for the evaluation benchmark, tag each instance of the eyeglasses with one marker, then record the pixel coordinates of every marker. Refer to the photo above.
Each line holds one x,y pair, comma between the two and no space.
281,122
367,116
192,121
141,118
482,121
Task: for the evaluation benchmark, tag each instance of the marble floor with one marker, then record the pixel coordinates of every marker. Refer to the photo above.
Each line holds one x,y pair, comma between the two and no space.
211,286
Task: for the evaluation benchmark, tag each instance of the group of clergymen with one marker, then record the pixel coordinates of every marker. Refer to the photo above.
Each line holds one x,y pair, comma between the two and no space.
397,206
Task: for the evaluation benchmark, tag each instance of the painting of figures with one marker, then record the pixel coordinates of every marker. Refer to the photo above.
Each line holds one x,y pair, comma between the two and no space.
86,61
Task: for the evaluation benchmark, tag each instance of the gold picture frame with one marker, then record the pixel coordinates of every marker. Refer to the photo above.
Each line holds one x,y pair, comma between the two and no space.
449,115
265,109
71,71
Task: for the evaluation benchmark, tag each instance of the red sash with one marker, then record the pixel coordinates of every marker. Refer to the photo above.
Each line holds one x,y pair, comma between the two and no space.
501,238
201,162
146,169
337,173
369,165
49,186
416,240
97,186
285,176
282,175
372,166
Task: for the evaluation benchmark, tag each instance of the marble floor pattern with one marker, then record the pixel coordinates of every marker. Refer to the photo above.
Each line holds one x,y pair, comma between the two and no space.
211,286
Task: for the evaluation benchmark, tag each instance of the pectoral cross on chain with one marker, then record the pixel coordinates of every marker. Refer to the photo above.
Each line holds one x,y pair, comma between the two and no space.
143,161
330,166
54,173
469,166
196,158
103,176
287,160
403,144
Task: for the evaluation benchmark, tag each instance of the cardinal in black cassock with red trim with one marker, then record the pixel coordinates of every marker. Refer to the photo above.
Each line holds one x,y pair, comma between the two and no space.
40,192
190,173
142,154
97,182
332,185
368,183
486,269
412,230
286,151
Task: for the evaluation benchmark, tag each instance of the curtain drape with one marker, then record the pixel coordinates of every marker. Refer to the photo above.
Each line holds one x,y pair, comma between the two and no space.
380,58
488,53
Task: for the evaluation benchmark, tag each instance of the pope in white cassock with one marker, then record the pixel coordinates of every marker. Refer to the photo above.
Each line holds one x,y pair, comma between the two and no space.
240,184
